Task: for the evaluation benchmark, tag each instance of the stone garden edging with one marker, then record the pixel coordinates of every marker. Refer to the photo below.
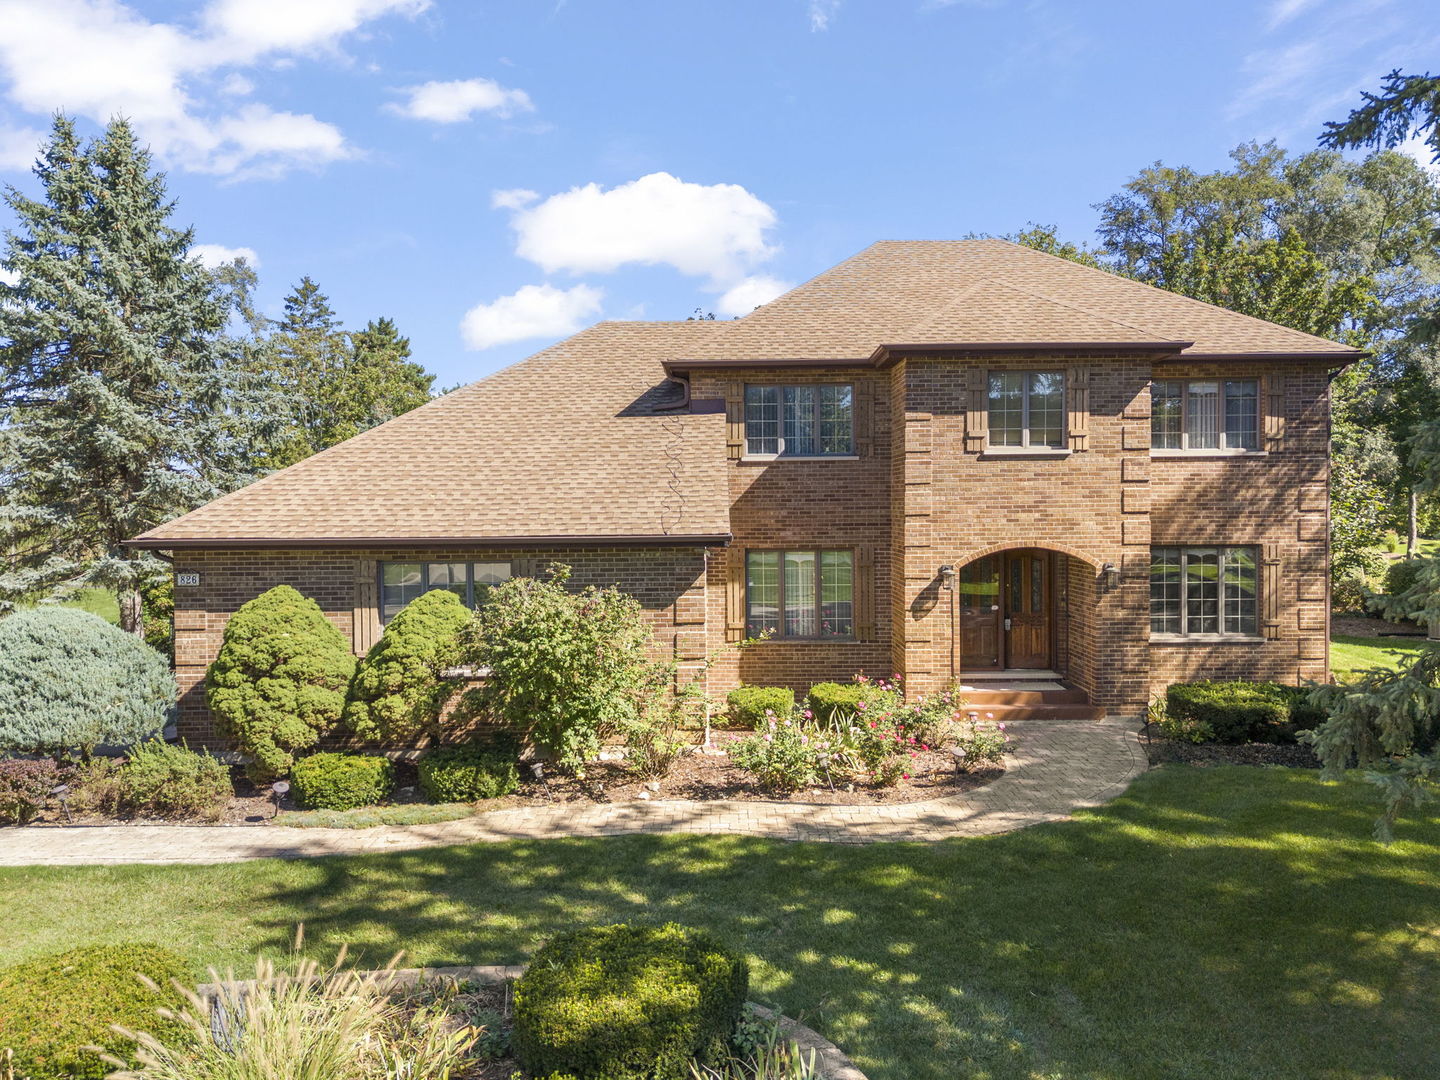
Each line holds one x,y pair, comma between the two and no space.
832,1061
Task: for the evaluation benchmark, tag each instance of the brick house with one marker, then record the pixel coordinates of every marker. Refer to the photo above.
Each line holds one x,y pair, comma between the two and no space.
952,460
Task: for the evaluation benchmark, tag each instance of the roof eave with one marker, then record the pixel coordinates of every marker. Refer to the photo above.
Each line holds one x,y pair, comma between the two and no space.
228,543
1338,357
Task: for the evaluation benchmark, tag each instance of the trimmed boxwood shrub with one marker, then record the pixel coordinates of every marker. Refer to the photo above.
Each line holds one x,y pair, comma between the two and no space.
70,680
279,680
468,773
1239,712
342,781
53,1006
24,787
747,704
827,698
628,1002
398,693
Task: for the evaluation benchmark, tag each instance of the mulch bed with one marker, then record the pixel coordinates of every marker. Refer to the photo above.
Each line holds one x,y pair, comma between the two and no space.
701,777
1162,751
1355,624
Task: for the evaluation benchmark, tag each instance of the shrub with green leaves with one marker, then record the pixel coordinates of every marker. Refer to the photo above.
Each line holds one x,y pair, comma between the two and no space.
166,781
1237,712
1402,575
748,705
279,681
565,667
70,680
830,700
468,773
25,785
342,781
628,1002
54,1006
398,693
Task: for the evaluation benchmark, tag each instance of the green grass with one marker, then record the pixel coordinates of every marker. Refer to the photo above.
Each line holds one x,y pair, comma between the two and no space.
100,602
1349,654
1211,923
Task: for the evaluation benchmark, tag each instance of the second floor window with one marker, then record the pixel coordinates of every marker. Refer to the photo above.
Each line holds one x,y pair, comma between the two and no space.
800,594
1027,408
1205,414
401,582
799,421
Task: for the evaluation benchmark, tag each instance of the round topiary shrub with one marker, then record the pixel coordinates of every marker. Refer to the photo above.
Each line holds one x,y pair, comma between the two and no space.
748,704
468,773
279,680
828,698
52,1007
342,781
398,692
628,1003
70,680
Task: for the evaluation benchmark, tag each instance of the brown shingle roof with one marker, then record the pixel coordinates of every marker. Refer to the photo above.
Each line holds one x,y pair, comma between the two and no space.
575,442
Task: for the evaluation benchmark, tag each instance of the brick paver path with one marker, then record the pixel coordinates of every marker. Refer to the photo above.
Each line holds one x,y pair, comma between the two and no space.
1056,767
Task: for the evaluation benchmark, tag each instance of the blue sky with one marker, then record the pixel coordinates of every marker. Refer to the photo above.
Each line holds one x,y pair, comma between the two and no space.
492,175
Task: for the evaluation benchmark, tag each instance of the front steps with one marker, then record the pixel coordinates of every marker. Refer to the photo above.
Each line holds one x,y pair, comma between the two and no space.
1024,695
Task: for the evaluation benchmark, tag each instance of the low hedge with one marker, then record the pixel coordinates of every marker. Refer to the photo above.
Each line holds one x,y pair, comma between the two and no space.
628,1002
1240,712
52,1007
827,698
453,774
342,781
747,705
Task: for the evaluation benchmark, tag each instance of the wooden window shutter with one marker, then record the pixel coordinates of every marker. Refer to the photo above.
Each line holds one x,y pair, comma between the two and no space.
1270,573
365,619
864,392
1272,389
1077,406
865,592
735,594
735,420
977,410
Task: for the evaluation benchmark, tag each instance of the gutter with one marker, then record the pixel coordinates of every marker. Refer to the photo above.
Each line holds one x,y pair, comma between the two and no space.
224,543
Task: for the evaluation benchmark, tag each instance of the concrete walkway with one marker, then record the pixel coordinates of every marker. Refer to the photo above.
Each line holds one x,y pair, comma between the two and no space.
1056,766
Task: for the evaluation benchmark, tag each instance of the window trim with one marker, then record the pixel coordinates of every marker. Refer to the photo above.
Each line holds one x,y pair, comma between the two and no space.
779,633
1222,414
425,564
749,455
1025,447
1184,634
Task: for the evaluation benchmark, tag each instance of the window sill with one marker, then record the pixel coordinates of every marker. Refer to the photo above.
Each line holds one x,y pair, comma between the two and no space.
769,459
756,641
1209,453
1207,639
1024,452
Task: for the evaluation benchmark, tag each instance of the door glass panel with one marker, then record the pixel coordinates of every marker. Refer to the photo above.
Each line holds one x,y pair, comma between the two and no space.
979,585
1015,601
1037,585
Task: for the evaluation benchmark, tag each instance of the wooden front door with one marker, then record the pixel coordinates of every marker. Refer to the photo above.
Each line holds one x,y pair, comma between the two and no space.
1027,609
980,620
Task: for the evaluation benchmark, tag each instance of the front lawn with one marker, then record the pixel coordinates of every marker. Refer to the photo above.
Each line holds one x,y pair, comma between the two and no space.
1351,654
1212,923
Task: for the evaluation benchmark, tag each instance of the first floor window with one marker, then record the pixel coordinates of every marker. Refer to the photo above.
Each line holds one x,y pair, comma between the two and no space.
800,594
1203,591
401,582
799,421
1027,408
1205,414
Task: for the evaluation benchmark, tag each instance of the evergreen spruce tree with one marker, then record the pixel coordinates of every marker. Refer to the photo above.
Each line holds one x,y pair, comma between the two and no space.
122,401
382,381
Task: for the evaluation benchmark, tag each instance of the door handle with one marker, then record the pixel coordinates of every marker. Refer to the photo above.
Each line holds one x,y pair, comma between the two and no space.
1007,624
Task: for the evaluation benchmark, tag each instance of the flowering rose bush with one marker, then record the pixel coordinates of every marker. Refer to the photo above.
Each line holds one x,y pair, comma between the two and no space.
782,755
981,742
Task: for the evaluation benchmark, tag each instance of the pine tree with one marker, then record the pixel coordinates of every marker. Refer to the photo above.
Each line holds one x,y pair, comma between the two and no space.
122,402
382,381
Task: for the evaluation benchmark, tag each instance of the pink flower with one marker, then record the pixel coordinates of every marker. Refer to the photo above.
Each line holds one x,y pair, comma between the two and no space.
808,715
989,716
786,722
924,747
872,723
896,677
769,737
769,712
1001,725
860,705
904,776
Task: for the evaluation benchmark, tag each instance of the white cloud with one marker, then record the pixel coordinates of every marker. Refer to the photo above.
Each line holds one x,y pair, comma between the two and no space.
1282,11
716,231
8,277
1416,147
821,12
749,293
452,102
534,311
512,198
19,147
100,58
213,255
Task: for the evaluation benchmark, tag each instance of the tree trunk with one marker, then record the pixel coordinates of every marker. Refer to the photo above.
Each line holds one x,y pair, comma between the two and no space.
1412,538
132,613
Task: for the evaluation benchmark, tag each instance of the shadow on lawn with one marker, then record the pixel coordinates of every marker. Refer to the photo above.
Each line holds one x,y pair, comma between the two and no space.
1188,929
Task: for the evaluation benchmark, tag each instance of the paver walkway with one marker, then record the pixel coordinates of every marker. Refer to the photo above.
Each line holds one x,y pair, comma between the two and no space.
1056,767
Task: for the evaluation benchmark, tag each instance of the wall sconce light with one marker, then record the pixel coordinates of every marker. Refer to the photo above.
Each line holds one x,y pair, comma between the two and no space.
1111,575
947,577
